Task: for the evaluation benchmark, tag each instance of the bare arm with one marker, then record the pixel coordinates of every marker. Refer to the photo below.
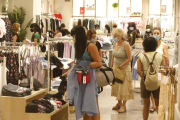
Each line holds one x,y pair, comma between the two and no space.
129,56
137,34
14,39
35,40
93,51
112,60
100,53
139,68
165,52
163,63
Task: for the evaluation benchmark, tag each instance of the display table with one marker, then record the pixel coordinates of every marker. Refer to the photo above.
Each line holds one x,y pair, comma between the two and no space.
13,108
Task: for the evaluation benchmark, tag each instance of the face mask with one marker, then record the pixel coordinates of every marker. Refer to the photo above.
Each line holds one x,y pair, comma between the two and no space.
157,37
116,40
31,30
92,40
131,28
19,29
148,30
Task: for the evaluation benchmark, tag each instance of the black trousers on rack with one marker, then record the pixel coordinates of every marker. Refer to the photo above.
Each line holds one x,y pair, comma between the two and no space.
60,48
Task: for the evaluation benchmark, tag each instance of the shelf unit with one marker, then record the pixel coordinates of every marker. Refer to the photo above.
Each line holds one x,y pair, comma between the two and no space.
13,108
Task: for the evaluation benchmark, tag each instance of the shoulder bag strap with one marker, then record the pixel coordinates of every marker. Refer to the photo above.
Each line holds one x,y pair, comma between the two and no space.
88,45
146,57
154,56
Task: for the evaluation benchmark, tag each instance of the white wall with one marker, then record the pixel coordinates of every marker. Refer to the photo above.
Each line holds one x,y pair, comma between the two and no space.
65,9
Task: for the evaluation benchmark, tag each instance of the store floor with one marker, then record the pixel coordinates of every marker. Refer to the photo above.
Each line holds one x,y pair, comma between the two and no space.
106,102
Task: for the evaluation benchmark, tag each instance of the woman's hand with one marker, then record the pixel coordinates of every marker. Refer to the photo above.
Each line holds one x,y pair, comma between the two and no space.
120,67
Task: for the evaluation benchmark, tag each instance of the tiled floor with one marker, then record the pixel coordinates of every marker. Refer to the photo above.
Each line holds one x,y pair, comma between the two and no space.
106,102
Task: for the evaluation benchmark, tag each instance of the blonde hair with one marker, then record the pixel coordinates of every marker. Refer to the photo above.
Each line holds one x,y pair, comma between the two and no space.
119,32
15,27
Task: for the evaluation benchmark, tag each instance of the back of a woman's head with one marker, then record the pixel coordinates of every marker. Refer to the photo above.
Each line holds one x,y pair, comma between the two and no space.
90,32
81,41
150,44
108,28
15,27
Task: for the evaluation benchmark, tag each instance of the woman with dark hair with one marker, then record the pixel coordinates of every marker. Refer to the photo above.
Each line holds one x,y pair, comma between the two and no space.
107,29
150,45
85,50
132,33
36,33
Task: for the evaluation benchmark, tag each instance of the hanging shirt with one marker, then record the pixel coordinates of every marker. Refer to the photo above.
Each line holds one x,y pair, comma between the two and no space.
83,95
58,34
2,28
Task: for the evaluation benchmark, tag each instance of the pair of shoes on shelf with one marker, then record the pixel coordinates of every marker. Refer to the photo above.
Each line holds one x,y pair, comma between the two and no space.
122,109
117,107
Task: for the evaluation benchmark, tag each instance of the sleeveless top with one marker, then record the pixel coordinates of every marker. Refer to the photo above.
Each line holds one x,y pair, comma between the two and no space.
120,55
160,48
157,60
86,56
18,39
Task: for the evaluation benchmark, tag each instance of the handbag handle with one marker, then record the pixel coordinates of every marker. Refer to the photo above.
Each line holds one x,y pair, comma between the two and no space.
108,69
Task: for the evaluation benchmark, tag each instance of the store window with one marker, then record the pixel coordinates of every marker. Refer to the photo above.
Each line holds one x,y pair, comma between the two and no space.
90,7
101,8
154,6
136,6
124,5
164,7
112,8
167,7
76,7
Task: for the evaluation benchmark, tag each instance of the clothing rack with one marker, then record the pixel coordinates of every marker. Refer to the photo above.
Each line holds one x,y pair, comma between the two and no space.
60,38
13,47
22,43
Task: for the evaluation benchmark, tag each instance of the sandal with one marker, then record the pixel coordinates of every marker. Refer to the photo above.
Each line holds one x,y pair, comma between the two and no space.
152,109
122,110
117,107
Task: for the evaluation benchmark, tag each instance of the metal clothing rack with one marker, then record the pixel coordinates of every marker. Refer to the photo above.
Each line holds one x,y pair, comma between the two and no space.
22,43
14,47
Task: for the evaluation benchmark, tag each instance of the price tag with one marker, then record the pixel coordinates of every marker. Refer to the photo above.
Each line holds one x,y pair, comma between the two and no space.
165,80
159,76
84,79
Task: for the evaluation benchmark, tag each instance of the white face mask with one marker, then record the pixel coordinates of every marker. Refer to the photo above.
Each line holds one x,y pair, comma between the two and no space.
148,30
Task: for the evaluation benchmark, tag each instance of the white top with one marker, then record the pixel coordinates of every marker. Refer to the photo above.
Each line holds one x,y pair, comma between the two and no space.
58,34
2,28
160,48
157,61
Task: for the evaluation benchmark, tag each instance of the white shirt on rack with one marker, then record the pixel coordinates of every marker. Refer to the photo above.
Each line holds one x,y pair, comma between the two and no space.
2,28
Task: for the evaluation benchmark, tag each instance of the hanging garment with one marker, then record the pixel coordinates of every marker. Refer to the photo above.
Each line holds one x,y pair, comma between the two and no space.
46,25
79,22
67,50
9,35
90,24
82,95
85,23
2,28
60,47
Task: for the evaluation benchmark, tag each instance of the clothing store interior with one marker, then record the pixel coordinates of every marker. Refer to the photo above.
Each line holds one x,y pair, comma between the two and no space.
89,60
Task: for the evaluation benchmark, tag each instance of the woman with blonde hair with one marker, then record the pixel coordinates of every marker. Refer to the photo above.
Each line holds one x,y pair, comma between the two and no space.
16,29
121,59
